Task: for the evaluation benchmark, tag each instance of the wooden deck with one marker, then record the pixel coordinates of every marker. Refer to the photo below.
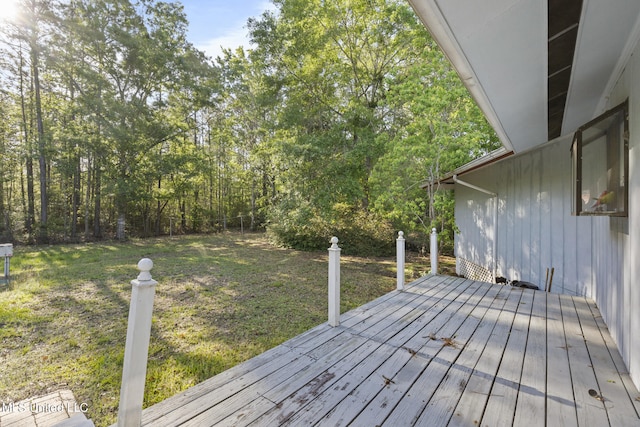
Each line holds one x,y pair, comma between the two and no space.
446,351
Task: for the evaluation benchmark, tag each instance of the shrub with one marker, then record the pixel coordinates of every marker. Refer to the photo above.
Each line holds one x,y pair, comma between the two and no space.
305,228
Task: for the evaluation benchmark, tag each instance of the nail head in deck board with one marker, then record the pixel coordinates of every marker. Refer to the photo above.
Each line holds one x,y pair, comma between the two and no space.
452,308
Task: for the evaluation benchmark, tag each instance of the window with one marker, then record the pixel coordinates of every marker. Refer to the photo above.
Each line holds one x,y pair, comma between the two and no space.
600,154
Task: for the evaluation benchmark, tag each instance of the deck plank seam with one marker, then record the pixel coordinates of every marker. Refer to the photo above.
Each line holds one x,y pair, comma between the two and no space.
597,318
400,348
583,325
479,358
567,347
491,316
478,295
326,373
417,355
420,308
584,382
514,380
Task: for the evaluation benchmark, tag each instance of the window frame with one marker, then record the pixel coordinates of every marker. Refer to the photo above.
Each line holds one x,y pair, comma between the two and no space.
576,162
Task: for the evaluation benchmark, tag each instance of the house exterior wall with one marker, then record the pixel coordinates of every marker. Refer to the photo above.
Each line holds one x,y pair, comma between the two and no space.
623,297
535,229
598,257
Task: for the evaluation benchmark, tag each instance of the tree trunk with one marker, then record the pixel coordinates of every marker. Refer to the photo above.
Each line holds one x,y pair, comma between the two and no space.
35,64
159,208
183,214
253,204
75,202
30,217
3,211
87,198
97,229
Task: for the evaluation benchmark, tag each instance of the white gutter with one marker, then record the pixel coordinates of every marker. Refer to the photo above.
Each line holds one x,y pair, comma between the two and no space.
495,220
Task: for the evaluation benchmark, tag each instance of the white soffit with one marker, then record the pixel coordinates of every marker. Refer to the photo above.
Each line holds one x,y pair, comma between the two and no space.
607,29
503,46
499,48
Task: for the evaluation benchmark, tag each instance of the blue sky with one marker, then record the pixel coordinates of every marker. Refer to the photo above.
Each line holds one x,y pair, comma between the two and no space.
215,23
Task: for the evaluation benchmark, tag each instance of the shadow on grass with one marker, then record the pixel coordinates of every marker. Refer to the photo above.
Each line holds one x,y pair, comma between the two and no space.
220,300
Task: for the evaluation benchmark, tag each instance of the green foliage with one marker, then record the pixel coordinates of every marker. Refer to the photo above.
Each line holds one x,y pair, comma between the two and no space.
329,125
307,228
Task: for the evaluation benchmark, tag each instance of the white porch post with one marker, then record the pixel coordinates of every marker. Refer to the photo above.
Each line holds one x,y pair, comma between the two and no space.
137,347
334,283
400,254
434,251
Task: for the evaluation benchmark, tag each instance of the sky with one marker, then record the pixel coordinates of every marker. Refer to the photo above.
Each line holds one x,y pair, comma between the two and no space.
216,23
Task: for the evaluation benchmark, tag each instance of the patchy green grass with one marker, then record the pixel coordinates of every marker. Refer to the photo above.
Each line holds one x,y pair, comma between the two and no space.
221,299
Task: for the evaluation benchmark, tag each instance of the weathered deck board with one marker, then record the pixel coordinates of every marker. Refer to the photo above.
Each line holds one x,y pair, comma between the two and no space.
617,358
473,399
439,354
503,397
590,411
530,405
491,331
446,351
611,388
561,407
392,393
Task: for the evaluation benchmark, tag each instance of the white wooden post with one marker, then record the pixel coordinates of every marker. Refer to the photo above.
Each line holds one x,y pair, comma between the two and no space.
334,283
400,249
6,251
434,251
137,347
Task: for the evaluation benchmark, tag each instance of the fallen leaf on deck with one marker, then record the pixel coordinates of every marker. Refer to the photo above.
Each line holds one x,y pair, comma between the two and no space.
449,342
411,351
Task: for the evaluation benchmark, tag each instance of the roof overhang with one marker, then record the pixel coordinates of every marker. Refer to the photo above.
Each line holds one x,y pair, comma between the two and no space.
505,56
446,182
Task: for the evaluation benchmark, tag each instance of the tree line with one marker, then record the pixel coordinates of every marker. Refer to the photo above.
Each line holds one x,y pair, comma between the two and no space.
112,123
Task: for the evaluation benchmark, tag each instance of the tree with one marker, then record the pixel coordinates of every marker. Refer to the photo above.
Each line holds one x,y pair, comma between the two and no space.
327,125
370,108
24,41
440,128
131,65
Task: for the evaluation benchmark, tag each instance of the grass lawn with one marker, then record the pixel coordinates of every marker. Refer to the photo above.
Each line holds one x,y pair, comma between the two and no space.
221,299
